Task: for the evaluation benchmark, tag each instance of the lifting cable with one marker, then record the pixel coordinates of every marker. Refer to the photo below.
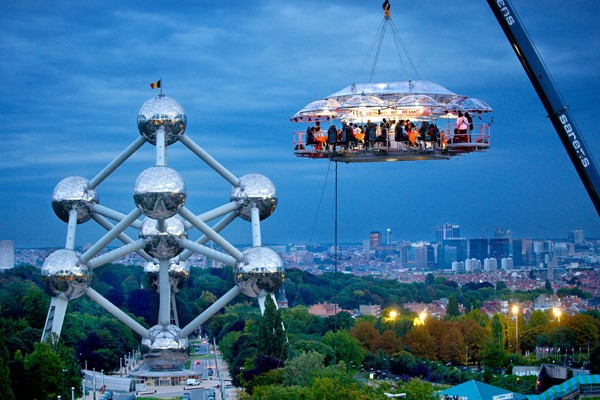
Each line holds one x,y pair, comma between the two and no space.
375,49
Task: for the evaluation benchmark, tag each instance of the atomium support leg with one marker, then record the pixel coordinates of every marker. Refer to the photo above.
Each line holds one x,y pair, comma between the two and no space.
122,236
256,238
164,287
207,252
211,162
98,209
55,317
210,311
208,231
116,312
117,253
102,175
203,239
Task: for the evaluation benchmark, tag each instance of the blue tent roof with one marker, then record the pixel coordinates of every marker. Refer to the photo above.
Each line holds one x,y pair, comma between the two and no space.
474,390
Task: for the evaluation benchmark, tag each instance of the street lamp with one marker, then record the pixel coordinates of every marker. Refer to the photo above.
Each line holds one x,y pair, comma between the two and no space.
72,393
556,311
515,310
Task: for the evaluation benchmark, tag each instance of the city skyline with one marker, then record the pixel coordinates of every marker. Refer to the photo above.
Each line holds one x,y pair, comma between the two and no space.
76,76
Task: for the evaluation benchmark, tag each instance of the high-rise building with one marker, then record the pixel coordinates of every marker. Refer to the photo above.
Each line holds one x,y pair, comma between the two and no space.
374,240
457,248
577,236
506,264
490,264
417,255
499,248
446,231
478,249
7,254
388,237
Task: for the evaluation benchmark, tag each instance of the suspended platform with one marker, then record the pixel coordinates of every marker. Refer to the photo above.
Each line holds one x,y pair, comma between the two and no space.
391,150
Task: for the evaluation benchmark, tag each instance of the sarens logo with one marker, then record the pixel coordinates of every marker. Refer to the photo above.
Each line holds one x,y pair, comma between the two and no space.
574,141
505,11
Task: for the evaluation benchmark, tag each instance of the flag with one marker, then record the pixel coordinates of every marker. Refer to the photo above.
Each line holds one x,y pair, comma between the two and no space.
156,85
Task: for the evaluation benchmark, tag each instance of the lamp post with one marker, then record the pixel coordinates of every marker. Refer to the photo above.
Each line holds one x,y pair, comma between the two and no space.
94,383
393,317
121,366
515,310
72,393
102,376
557,312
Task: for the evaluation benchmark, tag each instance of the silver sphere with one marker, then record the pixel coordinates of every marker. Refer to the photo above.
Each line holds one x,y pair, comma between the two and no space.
159,192
261,269
255,190
162,112
163,349
179,272
72,193
63,273
163,244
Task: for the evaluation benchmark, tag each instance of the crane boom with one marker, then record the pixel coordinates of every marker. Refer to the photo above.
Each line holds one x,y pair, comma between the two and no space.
557,109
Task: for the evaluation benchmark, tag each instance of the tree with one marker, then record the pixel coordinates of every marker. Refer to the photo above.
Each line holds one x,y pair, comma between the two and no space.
420,343
5,381
44,367
347,348
272,340
452,310
417,389
548,286
538,318
365,333
302,370
493,354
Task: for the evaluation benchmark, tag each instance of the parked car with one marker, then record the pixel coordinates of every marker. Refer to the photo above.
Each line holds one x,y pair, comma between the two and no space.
192,382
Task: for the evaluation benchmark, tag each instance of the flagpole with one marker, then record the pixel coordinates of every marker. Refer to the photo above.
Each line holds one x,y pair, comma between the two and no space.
160,80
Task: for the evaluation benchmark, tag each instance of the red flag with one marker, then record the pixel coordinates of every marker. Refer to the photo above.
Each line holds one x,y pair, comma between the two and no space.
156,85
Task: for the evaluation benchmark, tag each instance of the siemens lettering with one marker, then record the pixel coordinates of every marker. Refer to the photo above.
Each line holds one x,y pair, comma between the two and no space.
505,11
576,144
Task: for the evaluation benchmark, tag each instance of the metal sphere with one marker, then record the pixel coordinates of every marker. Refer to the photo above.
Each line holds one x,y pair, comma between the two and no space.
162,112
163,244
72,193
261,269
179,272
163,349
63,273
255,190
159,192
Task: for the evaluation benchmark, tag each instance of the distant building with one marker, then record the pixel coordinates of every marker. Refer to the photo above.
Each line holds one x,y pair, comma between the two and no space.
324,309
454,249
458,266
375,239
577,236
388,237
374,310
478,249
7,254
446,231
472,264
490,265
499,248
282,301
506,264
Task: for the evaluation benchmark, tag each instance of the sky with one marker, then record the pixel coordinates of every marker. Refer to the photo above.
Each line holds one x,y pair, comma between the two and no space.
75,75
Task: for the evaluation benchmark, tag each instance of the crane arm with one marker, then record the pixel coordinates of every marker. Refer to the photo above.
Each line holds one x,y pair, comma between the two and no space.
557,109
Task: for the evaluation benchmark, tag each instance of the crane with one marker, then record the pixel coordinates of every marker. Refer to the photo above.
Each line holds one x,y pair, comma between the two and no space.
556,107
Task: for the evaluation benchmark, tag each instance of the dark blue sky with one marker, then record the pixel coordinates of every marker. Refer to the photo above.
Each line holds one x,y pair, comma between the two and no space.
75,74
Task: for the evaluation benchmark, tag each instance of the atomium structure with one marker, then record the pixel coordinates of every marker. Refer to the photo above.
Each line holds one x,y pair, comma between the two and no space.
164,224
